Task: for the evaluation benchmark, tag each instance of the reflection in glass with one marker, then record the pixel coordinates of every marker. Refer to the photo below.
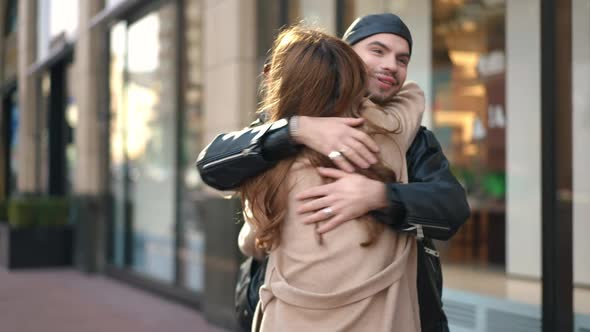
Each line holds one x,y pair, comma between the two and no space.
57,22
44,132
13,127
142,143
10,17
71,119
150,141
469,120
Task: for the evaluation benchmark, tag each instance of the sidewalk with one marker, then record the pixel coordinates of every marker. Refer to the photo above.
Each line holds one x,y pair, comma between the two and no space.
68,301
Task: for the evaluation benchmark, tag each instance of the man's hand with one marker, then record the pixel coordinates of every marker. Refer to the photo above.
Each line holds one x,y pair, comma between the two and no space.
326,135
349,197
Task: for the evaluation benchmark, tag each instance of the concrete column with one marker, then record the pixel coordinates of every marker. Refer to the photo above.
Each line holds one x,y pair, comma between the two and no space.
523,138
319,14
229,65
89,204
90,177
229,103
581,137
28,99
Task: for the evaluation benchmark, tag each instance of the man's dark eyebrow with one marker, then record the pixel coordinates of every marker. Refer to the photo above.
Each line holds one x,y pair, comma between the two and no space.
380,44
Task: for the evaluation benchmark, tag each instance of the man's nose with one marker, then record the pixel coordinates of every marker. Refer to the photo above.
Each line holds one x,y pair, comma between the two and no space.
390,65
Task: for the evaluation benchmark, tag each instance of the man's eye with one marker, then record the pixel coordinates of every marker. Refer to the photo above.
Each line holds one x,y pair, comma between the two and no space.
377,51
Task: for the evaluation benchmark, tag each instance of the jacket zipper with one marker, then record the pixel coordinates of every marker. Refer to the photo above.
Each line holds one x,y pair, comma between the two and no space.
429,226
233,156
420,237
431,252
244,152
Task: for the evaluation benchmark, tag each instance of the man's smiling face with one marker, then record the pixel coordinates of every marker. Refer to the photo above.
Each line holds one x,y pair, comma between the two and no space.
387,57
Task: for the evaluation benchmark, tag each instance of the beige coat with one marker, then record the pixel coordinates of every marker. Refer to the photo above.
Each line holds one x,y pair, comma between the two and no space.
338,285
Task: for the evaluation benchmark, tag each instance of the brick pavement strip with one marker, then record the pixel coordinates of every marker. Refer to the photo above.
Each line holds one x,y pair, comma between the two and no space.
68,301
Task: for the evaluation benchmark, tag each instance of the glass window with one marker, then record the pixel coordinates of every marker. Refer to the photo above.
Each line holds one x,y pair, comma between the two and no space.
10,64
71,122
143,141
58,120
11,125
44,144
11,18
118,163
57,23
111,3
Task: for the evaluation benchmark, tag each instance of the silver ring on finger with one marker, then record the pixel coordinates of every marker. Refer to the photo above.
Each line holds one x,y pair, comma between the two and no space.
334,155
328,211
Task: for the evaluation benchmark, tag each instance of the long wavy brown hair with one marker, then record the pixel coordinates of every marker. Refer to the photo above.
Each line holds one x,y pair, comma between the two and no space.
310,74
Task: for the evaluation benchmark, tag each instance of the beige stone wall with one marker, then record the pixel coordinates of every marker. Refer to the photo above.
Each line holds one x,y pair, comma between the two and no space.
91,172
28,133
229,65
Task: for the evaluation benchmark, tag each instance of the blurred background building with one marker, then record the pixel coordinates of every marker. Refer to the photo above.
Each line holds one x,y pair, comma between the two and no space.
110,102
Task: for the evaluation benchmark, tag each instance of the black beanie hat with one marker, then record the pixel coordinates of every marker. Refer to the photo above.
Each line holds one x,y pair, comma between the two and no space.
369,25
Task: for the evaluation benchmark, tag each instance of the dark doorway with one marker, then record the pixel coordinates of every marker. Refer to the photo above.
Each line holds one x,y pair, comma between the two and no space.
10,122
58,132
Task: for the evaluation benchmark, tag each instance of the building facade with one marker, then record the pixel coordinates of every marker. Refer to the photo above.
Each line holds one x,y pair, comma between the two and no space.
110,101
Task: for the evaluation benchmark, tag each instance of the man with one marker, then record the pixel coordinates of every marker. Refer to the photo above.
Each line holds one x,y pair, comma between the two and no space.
433,204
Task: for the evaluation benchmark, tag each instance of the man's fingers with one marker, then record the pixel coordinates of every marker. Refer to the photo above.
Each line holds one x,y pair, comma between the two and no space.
313,192
315,205
316,217
362,151
332,223
366,140
343,164
354,157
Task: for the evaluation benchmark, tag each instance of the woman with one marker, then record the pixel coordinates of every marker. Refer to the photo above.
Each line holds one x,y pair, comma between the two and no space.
360,276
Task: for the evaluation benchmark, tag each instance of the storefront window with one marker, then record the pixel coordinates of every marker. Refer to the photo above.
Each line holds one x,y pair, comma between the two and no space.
58,121
10,43
71,122
117,132
112,3
11,18
469,119
143,141
57,24
11,125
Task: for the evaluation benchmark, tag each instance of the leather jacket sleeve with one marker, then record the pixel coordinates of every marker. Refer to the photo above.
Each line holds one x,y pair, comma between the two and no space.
234,157
433,199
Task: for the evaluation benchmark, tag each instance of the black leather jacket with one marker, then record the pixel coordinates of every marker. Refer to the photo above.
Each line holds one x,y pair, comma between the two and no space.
433,204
